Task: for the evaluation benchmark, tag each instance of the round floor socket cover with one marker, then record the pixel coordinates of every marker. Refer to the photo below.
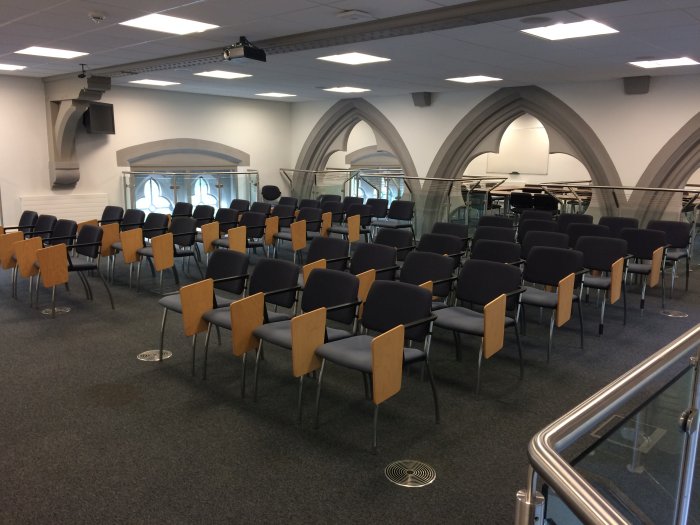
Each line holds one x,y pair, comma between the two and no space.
59,310
153,355
674,313
410,473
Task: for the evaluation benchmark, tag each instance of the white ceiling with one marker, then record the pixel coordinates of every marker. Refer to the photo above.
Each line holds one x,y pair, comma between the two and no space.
419,61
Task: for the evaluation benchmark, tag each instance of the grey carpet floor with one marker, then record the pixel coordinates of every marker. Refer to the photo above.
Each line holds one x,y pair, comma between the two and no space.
90,434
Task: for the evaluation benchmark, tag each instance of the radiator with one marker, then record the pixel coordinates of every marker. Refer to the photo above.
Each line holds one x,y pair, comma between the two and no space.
76,207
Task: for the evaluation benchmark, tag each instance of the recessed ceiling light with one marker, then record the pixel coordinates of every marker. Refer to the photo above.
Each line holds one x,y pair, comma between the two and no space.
474,79
228,75
667,62
168,24
49,52
354,59
274,95
150,82
10,67
572,30
346,89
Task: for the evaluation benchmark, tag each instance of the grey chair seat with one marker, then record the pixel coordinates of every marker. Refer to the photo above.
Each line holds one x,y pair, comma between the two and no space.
641,268
356,353
537,297
599,282
220,243
393,223
146,251
117,246
198,237
284,236
460,319
280,333
676,254
173,302
438,305
222,317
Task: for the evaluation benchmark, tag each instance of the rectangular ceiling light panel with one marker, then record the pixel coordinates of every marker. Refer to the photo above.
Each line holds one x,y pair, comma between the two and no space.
572,30
668,62
227,75
50,52
168,24
354,59
150,82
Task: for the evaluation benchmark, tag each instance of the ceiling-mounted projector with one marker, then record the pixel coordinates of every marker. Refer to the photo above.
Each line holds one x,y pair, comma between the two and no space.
244,49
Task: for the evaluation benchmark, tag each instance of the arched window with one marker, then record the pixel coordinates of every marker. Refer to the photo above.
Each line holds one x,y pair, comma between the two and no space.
202,193
149,197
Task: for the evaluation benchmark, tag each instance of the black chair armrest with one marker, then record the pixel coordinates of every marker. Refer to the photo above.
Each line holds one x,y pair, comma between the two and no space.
312,222
519,262
282,290
448,279
338,259
34,233
582,272
123,225
228,223
516,292
231,278
83,245
164,230
406,248
16,227
181,215
387,269
344,305
183,234
61,238
419,322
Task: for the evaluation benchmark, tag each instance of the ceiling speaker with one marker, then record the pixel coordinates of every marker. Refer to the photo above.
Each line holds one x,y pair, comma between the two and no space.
636,85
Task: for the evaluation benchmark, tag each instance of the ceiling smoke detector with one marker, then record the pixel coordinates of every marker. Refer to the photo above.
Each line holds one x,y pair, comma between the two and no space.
355,15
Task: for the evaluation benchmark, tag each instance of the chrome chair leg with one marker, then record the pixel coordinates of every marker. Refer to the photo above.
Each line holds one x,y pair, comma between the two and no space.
301,393
374,429
551,335
194,349
162,334
318,391
255,373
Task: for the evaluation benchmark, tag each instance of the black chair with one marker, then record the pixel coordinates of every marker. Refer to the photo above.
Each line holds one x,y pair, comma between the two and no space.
401,240
453,228
368,256
500,221
545,202
378,208
421,267
229,270
400,215
64,232
293,202
309,203
555,268
203,214
364,212
576,230
493,233
617,224
646,248
541,215
43,227
495,288
541,238
227,219
132,219
678,239
335,208
351,201
182,209
255,230
88,244
334,291
270,192
333,249
606,256
327,197
112,214
240,204
520,201
285,213
312,216
388,305
27,221
538,225
564,219
496,251
152,225
261,207
442,244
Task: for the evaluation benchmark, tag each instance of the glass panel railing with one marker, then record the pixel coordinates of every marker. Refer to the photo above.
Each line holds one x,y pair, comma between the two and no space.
158,191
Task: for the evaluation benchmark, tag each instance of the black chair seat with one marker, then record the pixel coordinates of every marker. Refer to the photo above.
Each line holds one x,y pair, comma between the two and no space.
222,317
356,353
459,319
438,305
676,254
537,297
598,282
640,268
83,266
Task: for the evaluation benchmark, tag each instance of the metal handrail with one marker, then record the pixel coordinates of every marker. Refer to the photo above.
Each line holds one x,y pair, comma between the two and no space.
579,495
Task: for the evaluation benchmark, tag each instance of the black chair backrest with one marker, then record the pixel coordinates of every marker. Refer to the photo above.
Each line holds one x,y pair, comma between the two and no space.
391,303
270,192
182,209
288,201
349,201
617,224
203,214
577,230
27,221
396,238
64,232
642,242
564,219
133,219
363,211
155,224
420,267
442,244
599,253
480,282
285,213
677,233
240,204
520,200
184,230
328,248
378,207
254,223
309,203
261,207
494,233
228,263
90,235
453,228
335,208
540,238
44,226
497,251
401,210
312,216
368,255
548,266
537,225
327,197
500,221
330,288
541,215
275,274
227,218
112,214
545,201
